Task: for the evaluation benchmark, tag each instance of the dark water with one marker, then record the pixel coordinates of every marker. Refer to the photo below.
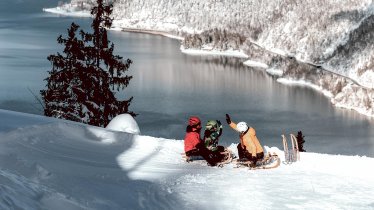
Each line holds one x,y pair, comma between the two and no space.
169,86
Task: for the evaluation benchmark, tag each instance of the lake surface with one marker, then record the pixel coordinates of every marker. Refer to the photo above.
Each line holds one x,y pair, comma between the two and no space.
169,86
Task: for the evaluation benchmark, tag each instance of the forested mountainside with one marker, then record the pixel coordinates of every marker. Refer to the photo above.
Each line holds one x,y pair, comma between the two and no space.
336,34
298,37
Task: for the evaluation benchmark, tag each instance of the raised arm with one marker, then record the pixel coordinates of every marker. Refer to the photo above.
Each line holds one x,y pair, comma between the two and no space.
231,123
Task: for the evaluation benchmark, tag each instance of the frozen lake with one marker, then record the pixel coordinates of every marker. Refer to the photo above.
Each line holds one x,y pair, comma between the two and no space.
169,86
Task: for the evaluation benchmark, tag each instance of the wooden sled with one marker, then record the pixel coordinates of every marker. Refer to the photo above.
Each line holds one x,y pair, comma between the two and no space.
227,159
270,161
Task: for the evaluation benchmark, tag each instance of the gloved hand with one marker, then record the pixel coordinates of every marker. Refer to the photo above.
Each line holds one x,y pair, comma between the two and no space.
228,120
207,133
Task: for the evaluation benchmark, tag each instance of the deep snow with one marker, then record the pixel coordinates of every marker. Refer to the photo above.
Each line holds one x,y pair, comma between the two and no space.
131,126
47,163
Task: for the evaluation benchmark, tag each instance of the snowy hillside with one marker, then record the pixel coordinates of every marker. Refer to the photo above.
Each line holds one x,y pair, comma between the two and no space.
47,163
325,32
297,39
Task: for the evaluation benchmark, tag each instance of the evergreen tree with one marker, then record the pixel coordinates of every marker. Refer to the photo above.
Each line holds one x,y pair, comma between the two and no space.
300,141
82,82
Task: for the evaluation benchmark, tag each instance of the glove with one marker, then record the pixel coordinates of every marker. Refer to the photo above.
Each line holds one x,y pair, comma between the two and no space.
207,133
228,120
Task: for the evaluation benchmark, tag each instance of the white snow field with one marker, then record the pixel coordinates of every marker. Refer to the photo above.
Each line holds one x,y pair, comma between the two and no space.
47,163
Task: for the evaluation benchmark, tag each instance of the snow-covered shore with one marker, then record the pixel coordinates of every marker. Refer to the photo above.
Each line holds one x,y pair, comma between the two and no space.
68,9
48,163
153,32
263,53
210,51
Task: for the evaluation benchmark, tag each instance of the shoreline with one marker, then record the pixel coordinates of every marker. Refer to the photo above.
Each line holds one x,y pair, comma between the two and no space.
277,73
63,12
147,31
251,63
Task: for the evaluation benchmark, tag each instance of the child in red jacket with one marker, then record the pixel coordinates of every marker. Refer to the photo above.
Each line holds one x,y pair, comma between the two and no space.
192,140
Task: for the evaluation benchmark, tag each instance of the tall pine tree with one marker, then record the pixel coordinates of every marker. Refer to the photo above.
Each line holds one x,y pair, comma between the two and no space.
84,79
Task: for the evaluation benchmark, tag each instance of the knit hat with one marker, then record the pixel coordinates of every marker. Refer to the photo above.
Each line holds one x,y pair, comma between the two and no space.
194,121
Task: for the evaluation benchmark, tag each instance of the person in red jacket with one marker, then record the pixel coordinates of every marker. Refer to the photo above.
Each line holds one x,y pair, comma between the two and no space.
194,146
192,138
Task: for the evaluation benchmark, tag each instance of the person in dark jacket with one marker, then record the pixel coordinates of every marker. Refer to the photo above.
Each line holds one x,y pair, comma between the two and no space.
213,130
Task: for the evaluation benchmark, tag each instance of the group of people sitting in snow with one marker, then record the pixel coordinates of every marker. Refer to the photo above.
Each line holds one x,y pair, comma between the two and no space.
249,147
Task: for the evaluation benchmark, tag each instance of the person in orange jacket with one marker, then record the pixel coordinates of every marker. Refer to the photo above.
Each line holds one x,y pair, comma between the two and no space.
249,146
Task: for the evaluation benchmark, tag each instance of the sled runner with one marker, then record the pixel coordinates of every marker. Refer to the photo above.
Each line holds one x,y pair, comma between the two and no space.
293,155
268,162
227,158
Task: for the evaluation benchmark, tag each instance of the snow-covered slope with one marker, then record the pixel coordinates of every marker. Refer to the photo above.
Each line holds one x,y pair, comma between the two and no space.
52,164
116,124
336,36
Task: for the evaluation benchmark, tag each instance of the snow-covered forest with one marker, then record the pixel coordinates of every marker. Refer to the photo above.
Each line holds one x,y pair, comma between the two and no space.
328,44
